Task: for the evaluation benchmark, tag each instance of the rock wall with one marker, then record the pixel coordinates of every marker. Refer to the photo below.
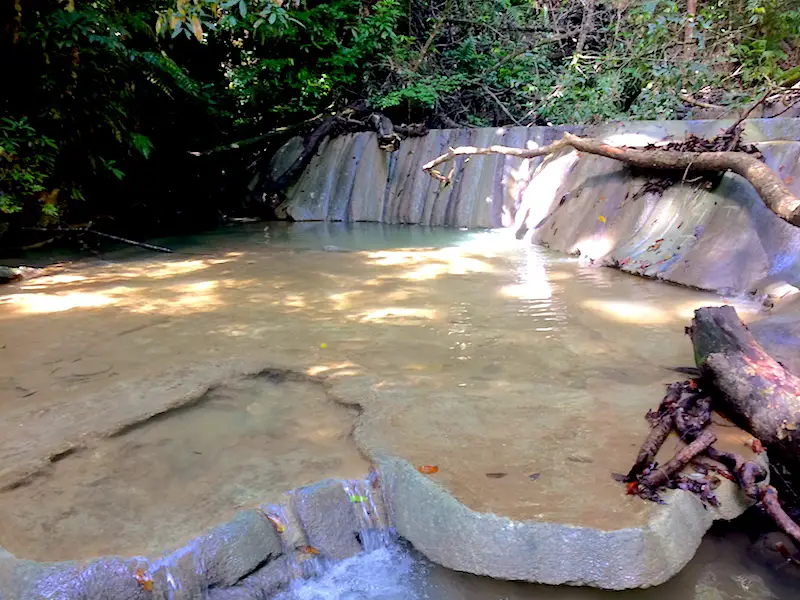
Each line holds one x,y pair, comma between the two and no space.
571,203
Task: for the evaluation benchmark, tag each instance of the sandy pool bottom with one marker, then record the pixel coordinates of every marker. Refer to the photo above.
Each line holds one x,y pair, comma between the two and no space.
522,375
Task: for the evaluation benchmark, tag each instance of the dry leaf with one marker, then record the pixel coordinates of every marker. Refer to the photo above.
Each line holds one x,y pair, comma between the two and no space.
197,28
143,580
428,469
279,526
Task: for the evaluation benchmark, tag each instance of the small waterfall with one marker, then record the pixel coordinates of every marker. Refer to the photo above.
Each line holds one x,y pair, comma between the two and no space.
303,562
376,531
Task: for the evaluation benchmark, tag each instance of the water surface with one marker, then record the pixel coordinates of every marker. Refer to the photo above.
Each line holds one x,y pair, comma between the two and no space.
484,356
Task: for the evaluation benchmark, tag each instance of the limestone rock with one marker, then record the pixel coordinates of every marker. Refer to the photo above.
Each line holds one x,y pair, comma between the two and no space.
328,519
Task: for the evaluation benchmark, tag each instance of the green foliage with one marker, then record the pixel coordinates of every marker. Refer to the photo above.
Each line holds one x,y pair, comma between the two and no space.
97,94
26,161
110,101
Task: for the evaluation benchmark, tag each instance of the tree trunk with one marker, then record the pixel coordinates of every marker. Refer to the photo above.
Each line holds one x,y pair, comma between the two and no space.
688,34
758,394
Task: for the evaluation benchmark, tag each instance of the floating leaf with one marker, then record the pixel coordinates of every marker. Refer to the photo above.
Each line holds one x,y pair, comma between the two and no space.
276,522
601,218
789,179
309,550
323,345
534,476
428,469
496,475
357,499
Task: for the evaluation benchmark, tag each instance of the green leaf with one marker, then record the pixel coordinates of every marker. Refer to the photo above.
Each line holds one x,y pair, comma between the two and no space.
272,17
143,144
242,8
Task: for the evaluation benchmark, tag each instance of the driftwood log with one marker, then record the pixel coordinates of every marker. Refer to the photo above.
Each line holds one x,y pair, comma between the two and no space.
758,394
742,381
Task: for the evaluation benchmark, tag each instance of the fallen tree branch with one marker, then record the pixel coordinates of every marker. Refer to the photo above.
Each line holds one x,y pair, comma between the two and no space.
116,238
753,389
690,100
758,393
769,500
354,118
663,422
770,187
659,477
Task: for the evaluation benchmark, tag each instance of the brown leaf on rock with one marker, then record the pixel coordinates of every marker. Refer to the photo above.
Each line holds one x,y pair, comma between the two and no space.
143,580
496,475
428,469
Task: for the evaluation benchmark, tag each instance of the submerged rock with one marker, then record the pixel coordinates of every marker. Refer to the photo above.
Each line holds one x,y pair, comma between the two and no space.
9,274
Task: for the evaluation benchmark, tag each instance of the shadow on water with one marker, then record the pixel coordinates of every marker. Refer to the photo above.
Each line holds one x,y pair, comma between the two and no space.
495,313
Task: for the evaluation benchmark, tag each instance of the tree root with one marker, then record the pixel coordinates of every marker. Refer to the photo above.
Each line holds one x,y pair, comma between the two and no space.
353,118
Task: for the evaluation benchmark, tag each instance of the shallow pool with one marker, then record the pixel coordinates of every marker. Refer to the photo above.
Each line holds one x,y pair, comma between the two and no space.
523,375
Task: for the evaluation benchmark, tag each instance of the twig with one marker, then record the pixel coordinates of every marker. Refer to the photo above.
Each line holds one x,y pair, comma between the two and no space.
659,477
432,36
789,106
688,99
658,432
747,113
500,104
117,238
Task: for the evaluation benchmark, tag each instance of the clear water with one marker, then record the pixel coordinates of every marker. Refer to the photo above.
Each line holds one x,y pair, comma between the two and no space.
721,570
444,315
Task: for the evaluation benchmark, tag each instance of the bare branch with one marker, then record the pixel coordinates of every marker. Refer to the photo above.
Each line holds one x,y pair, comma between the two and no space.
689,100
769,186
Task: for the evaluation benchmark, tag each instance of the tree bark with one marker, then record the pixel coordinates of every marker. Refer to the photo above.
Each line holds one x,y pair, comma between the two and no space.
659,477
758,394
688,34
769,186
662,424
